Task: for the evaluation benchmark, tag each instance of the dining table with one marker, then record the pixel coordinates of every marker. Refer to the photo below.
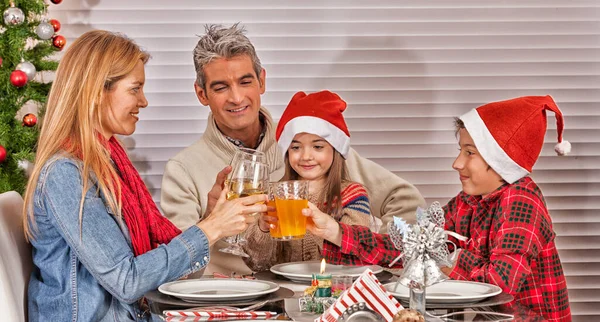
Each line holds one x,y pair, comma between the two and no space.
287,309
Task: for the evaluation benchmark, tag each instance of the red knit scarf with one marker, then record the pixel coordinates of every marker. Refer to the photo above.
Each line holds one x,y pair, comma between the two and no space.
148,228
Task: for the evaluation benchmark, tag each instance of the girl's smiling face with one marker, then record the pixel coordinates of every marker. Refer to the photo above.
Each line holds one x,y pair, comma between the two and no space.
310,156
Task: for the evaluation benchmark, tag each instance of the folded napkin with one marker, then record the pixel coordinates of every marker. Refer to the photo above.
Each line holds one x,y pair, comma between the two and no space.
217,315
369,290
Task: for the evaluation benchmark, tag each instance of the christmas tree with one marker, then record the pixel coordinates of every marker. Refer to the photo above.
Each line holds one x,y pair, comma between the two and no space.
27,40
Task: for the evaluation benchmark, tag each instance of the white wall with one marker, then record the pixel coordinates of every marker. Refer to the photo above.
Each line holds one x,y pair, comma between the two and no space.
405,68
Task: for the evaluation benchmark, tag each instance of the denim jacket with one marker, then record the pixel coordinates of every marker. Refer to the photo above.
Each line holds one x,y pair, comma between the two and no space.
87,271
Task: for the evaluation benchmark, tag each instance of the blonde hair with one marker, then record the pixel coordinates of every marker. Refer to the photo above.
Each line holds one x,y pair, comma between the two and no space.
89,69
331,194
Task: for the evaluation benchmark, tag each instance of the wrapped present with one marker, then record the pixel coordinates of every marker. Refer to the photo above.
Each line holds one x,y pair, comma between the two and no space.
315,304
366,289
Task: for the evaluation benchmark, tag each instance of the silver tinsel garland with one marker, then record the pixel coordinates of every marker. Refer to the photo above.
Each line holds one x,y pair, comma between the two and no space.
424,247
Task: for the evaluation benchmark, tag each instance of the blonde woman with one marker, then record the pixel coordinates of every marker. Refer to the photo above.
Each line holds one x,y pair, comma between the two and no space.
99,242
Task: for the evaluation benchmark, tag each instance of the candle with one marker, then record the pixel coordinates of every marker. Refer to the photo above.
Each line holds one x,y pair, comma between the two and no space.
323,282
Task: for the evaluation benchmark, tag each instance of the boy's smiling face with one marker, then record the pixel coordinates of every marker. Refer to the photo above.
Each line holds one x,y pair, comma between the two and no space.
476,177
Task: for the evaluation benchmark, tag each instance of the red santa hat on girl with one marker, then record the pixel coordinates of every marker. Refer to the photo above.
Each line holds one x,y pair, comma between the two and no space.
317,113
509,134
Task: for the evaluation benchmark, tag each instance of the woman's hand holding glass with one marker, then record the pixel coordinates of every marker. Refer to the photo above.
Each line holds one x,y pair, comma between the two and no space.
248,178
230,217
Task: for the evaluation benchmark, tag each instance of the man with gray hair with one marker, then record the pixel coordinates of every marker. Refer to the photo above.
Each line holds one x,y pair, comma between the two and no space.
230,80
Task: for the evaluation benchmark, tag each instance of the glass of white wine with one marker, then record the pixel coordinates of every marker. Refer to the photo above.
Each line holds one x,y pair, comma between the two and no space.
247,178
243,154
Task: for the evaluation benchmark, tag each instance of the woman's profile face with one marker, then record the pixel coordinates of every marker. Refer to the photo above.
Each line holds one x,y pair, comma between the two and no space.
124,102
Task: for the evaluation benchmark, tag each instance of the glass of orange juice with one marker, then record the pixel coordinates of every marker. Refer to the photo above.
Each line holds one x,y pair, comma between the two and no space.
275,232
290,198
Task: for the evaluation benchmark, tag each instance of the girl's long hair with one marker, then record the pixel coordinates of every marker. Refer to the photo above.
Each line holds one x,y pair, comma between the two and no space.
79,96
329,198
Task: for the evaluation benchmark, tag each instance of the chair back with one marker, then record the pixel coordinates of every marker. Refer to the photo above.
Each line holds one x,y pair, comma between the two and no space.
15,259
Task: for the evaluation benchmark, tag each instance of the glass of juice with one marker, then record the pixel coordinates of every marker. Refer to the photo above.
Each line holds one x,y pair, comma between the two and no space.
290,198
275,232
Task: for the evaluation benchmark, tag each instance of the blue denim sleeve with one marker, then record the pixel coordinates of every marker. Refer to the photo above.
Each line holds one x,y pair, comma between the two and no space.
101,246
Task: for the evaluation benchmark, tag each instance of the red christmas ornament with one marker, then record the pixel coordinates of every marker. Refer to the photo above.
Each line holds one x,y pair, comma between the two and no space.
55,24
29,120
56,1
0,61
59,42
2,154
18,78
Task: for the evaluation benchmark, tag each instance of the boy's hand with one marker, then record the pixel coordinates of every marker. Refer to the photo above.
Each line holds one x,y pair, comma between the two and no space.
215,192
322,225
446,270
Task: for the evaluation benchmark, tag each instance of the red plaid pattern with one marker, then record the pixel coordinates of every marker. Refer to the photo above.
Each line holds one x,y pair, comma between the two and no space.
511,244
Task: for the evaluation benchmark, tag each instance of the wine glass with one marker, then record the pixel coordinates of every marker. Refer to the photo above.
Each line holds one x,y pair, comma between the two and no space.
247,154
247,178
242,154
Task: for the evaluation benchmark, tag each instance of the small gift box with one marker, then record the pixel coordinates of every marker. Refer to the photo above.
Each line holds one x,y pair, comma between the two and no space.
366,289
315,304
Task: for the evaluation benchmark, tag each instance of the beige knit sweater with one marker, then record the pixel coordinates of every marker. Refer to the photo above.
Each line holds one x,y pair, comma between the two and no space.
190,175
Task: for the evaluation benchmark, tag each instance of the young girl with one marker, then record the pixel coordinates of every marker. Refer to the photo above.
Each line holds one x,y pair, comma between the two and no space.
315,140
99,242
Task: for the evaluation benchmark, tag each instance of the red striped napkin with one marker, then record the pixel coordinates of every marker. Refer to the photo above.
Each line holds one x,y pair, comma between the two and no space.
369,290
218,315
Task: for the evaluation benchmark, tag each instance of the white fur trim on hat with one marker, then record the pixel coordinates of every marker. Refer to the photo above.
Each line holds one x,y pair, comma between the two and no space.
563,148
490,150
314,125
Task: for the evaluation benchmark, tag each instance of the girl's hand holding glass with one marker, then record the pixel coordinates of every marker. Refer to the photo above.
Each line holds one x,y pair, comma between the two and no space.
230,217
266,221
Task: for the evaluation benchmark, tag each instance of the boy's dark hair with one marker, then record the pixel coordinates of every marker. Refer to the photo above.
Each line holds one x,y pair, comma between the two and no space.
458,124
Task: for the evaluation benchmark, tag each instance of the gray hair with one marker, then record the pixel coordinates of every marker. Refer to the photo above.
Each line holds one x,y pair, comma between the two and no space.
222,42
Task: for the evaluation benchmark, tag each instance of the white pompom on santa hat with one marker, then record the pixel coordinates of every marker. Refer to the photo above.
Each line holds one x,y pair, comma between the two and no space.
317,113
509,134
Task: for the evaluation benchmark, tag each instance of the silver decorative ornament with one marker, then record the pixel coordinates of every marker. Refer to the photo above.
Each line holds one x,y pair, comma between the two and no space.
44,30
13,16
28,69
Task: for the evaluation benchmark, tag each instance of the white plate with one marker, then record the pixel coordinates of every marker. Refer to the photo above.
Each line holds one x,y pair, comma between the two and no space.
448,291
214,290
302,271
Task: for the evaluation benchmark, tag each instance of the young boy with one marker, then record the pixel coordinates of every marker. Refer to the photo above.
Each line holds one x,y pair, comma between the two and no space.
500,209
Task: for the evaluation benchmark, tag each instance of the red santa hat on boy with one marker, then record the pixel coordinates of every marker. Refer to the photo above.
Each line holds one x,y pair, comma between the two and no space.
317,113
509,134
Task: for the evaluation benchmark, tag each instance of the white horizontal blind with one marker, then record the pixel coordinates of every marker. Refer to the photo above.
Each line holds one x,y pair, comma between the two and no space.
406,68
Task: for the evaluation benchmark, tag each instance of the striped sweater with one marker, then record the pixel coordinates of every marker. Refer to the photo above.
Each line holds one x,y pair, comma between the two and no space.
265,252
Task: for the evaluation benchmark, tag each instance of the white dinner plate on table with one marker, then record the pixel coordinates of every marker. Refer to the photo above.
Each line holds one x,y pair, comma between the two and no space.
448,292
303,271
216,289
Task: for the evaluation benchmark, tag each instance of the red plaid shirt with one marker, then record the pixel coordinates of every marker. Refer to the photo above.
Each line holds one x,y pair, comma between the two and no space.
511,244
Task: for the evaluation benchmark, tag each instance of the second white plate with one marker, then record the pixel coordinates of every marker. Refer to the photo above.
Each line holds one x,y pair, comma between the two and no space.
215,289
302,271
450,291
